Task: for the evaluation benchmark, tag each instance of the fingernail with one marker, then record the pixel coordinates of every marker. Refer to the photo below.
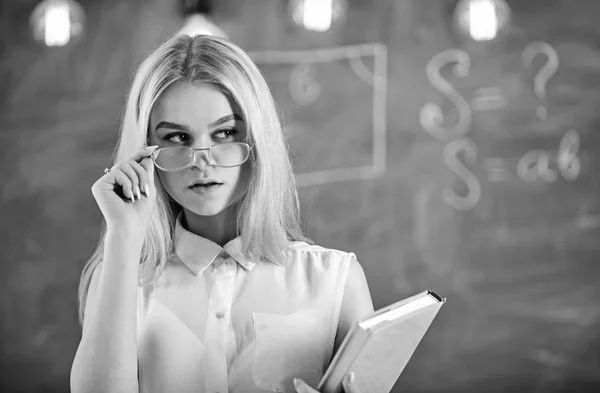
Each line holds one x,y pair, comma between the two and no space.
137,193
145,188
152,147
351,377
295,381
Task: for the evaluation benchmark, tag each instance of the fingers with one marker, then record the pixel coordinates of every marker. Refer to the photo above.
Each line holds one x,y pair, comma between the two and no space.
147,183
136,174
143,164
142,153
122,179
134,177
142,177
302,387
348,384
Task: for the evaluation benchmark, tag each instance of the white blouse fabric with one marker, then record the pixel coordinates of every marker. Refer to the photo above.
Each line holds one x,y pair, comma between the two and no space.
216,322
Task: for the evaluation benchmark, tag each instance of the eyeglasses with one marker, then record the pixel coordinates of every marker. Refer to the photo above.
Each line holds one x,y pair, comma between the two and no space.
227,155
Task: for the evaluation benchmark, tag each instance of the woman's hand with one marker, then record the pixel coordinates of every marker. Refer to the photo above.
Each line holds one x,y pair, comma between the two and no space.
347,383
125,195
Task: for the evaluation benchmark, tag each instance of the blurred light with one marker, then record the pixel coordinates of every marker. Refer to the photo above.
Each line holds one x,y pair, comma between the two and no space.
197,24
317,15
57,22
197,21
483,24
482,20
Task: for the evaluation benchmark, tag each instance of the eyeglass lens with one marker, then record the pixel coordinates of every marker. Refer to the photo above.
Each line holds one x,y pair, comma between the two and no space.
224,154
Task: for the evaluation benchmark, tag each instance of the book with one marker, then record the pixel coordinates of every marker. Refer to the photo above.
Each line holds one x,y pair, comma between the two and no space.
378,347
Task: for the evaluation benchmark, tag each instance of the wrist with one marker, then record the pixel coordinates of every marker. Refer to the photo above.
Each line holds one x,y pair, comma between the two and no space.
125,232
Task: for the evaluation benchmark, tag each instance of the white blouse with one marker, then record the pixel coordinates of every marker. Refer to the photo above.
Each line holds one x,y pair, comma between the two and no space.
217,322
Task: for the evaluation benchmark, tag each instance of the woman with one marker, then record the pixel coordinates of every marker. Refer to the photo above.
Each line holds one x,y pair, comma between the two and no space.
202,280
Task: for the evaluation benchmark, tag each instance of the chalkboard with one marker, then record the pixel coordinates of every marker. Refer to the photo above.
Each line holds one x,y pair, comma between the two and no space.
488,192
470,168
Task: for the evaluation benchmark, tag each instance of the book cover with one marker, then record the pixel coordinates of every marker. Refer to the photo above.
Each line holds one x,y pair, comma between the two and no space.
377,348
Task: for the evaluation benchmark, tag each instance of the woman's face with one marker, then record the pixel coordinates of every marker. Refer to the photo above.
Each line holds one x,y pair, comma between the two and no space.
199,116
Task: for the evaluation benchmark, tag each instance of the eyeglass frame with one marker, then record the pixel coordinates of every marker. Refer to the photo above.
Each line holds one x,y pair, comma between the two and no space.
193,160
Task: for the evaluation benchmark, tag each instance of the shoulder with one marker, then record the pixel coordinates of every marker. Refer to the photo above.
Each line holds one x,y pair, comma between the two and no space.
341,264
320,264
300,251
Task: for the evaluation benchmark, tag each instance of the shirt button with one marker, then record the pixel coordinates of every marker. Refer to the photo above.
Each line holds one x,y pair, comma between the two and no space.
220,315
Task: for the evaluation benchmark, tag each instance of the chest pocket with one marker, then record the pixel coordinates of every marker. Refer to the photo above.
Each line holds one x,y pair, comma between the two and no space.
286,347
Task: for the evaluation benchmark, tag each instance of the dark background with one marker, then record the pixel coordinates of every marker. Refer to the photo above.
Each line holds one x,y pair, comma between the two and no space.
517,262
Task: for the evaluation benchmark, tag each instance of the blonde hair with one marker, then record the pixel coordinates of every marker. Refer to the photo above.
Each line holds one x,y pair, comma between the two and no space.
268,215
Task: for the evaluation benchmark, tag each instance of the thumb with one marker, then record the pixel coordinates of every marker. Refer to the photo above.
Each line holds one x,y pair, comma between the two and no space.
348,383
146,160
302,387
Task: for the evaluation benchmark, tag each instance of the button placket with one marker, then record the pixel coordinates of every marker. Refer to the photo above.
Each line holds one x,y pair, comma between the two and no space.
217,328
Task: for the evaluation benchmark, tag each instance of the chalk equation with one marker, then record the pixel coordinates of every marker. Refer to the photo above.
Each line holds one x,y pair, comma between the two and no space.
460,152
535,165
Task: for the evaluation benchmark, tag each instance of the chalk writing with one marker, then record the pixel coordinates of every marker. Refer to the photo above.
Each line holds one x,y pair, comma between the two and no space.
431,116
451,151
545,72
304,88
534,165
488,98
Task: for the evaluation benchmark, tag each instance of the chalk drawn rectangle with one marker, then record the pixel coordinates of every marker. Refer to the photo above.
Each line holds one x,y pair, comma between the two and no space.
329,98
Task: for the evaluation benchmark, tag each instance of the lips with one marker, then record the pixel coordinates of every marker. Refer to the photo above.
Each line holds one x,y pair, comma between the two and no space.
205,183
205,188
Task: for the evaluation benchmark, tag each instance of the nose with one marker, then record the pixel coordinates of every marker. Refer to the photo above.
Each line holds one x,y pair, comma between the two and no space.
202,158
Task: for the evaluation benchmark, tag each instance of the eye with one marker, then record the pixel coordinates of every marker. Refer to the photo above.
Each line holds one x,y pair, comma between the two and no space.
225,134
176,137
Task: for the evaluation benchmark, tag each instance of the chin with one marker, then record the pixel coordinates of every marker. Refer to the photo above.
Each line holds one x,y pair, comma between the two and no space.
205,207
207,211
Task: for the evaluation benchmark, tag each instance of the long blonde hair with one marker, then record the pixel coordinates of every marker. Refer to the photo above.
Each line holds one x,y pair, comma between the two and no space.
268,215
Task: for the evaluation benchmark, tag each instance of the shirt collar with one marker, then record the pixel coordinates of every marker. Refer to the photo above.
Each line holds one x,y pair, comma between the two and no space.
197,252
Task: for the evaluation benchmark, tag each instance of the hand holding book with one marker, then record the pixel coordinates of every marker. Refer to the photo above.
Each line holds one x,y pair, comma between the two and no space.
378,347
348,385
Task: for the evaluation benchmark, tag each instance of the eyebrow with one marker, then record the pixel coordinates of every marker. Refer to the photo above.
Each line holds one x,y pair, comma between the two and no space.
214,124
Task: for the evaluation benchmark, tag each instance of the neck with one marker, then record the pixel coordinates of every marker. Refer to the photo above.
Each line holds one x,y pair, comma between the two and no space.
220,228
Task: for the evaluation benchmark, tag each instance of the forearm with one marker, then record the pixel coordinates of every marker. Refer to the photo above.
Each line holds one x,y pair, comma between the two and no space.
106,360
